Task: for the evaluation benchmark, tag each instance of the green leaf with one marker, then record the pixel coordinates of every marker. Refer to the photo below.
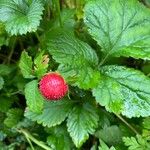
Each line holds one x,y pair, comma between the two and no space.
1,82
13,117
114,136
67,18
35,101
26,65
74,56
84,78
5,103
5,70
81,122
54,113
59,138
68,50
136,143
103,146
146,123
125,32
21,16
41,64
124,90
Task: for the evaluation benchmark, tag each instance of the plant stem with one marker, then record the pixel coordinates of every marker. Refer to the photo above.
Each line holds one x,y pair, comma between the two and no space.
11,51
38,37
124,121
58,9
30,143
33,139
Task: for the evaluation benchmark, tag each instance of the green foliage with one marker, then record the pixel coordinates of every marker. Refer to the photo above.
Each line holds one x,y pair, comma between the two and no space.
21,16
114,136
54,113
76,56
59,139
104,146
41,64
146,123
13,117
81,121
35,101
5,70
121,32
26,65
101,48
5,103
124,90
138,143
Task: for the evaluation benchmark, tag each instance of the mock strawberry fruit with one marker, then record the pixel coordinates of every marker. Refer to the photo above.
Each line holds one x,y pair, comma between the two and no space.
53,86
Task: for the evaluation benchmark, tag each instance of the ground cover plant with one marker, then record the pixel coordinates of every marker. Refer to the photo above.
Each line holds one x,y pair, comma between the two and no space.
74,74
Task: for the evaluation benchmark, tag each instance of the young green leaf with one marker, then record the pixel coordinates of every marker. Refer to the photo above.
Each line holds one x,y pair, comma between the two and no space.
13,117
35,101
21,16
54,113
26,65
121,27
81,122
41,64
124,90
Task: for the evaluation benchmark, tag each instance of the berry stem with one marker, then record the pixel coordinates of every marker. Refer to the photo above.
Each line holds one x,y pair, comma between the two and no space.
124,121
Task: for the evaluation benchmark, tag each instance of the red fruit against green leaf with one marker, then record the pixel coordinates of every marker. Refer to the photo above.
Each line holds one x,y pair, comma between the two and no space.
53,86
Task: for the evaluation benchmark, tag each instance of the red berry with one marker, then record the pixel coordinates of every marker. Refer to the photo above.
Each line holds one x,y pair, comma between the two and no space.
53,86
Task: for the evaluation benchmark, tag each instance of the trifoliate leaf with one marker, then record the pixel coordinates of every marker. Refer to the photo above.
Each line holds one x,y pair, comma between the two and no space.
53,113
75,56
81,122
13,117
124,90
136,143
120,27
21,16
35,101
1,82
26,65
